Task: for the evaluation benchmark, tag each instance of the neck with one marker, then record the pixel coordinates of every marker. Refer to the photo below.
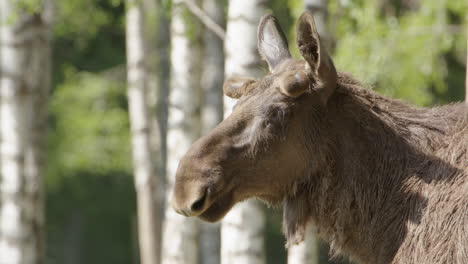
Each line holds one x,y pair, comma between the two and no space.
366,180
369,186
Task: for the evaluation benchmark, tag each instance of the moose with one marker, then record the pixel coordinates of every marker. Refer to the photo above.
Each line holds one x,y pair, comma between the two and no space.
383,181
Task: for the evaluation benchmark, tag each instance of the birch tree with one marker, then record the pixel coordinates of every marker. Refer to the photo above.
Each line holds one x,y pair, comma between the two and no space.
212,111
141,130
180,244
24,89
308,250
36,151
163,74
242,230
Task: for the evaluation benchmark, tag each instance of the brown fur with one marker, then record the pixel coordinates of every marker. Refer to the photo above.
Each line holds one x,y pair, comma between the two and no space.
392,187
384,182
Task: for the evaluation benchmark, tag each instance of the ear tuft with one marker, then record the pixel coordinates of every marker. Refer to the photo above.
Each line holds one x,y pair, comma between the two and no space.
272,42
236,86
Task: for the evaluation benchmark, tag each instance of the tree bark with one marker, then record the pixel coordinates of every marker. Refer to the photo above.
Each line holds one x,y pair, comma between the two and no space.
307,251
213,69
24,89
146,179
242,230
206,19
163,74
180,237
212,112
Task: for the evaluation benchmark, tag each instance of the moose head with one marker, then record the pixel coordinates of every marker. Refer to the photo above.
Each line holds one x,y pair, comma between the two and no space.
271,139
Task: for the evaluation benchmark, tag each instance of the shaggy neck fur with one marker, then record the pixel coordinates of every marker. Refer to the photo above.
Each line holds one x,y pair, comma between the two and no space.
389,183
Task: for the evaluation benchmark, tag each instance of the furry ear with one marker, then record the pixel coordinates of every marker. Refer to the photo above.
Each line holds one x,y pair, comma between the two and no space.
296,215
312,50
236,86
294,84
271,41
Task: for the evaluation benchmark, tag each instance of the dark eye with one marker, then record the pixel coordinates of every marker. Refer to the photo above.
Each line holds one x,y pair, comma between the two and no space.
276,117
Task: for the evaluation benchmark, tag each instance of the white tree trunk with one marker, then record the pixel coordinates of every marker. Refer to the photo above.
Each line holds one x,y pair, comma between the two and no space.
212,113
242,57
242,230
140,118
180,237
161,109
306,252
213,68
24,88
36,152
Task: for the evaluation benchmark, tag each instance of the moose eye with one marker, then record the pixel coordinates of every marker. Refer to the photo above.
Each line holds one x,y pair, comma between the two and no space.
276,117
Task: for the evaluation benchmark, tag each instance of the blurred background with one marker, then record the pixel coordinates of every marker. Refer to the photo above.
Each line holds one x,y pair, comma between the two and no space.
100,98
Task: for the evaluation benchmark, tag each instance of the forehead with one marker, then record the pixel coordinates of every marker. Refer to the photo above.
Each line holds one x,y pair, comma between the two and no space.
266,91
266,86
290,65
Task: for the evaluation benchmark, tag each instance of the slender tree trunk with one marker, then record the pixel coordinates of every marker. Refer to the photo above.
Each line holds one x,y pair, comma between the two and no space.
307,251
140,120
157,42
163,73
242,230
72,247
24,89
212,112
36,151
180,237
213,69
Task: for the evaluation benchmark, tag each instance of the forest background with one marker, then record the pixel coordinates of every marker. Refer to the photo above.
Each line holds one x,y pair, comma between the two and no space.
408,49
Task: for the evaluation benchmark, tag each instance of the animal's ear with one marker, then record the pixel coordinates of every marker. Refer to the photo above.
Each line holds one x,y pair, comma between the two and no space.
294,84
271,41
236,86
296,215
319,62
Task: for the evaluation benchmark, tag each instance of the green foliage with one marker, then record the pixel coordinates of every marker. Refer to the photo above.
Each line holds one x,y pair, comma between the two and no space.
30,5
83,19
91,219
403,57
88,169
416,53
90,131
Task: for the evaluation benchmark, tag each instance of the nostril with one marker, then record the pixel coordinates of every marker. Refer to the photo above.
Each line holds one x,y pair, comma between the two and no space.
198,204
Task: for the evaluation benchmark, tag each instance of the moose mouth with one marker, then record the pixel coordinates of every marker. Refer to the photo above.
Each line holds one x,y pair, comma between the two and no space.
218,209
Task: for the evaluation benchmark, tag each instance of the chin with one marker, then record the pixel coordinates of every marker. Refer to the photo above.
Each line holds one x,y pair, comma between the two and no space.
217,210
213,216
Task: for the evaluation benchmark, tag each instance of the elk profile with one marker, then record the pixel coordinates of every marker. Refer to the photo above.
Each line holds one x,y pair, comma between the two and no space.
384,182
